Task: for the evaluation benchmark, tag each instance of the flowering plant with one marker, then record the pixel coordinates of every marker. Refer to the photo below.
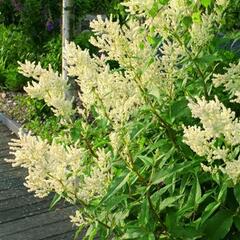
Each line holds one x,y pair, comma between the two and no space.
155,152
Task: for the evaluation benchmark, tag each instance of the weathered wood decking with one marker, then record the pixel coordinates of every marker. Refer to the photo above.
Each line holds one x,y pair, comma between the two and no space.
22,216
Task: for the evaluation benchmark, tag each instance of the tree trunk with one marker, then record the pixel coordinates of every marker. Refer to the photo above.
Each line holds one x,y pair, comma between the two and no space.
67,6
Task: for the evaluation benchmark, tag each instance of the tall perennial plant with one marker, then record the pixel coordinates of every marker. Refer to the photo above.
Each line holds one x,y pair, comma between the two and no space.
153,153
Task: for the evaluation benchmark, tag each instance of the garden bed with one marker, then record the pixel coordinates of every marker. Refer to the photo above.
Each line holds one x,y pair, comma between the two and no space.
10,105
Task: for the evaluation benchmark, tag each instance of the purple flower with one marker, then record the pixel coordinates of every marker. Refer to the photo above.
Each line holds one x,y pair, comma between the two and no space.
50,25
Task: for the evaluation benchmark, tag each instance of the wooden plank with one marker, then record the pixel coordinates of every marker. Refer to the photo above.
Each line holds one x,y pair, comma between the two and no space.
4,153
30,210
42,231
6,137
18,213
15,172
23,212
4,195
4,147
36,224
6,167
63,236
22,201
12,183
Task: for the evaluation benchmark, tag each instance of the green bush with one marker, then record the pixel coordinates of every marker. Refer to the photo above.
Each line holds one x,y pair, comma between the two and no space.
52,53
38,118
82,40
15,46
14,81
155,154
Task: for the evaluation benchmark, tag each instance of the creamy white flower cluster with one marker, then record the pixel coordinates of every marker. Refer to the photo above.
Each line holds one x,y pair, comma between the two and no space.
118,93
138,7
168,19
218,124
222,2
61,169
230,80
78,219
49,85
202,32
113,94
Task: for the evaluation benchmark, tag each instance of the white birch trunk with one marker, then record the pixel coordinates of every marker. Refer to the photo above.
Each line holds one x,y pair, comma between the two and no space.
66,29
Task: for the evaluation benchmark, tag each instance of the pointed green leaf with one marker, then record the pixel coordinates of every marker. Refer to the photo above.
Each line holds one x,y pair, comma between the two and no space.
144,213
55,200
236,221
218,226
168,202
237,193
205,3
163,174
209,210
117,185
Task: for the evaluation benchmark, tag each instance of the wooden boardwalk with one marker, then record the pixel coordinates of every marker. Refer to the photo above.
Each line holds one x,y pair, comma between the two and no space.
22,216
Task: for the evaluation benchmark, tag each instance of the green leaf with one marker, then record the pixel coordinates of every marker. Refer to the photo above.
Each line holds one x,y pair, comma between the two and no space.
187,21
168,202
206,3
171,220
154,10
141,46
78,232
188,233
133,233
222,193
198,191
150,236
179,109
156,197
144,213
148,161
116,186
163,174
155,91
209,210
113,202
194,199
237,193
209,59
218,226
196,17
236,221
91,232
57,198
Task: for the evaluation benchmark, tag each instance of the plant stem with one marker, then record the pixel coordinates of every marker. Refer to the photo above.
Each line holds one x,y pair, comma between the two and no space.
89,146
102,105
198,69
154,210
134,169
169,130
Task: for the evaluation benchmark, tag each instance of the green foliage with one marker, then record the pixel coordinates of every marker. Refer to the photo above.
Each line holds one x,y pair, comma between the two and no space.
161,192
95,6
52,53
15,46
39,118
232,20
82,40
14,81
159,189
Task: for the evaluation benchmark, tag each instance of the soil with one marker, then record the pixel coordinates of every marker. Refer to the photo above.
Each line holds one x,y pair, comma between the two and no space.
9,105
